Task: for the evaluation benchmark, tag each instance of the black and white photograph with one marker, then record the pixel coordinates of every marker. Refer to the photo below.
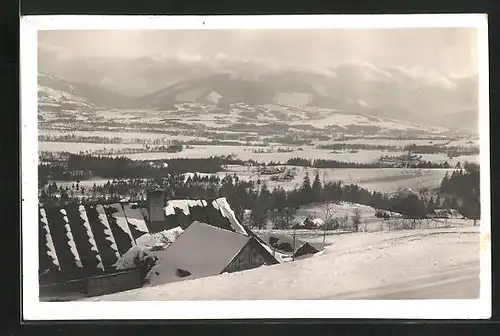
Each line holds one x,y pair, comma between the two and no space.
308,161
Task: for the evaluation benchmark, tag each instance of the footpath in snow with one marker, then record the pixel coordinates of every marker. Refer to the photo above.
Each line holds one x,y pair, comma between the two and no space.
431,263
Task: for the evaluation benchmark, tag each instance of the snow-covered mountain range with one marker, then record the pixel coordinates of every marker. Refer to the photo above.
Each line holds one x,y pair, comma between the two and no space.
252,91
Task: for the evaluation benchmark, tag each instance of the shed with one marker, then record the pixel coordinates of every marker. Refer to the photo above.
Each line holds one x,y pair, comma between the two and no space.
284,244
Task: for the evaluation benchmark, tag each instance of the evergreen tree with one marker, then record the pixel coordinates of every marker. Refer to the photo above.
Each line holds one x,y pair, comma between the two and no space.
258,216
280,198
438,202
446,203
444,183
306,190
265,197
431,205
316,189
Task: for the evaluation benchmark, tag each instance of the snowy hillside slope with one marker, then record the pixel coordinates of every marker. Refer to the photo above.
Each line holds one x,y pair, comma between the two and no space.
294,115
355,268
91,94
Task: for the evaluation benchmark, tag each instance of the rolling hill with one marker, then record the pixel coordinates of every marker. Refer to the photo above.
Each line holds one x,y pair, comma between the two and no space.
53,88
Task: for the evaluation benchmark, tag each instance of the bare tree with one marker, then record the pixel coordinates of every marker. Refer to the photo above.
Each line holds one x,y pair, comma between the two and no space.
344,222
327,210
356,220
284,218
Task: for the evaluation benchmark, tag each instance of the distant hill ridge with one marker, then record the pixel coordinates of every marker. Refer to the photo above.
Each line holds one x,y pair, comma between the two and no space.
308,94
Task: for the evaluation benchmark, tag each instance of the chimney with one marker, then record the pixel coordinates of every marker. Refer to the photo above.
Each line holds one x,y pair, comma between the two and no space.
156,202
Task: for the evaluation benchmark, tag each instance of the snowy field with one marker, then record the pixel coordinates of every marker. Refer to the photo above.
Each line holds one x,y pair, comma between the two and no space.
466,143
379,179
387,180
84,183
441,158
76,147
311,153
126,134
368,219
369,222
122,135
246,153
422,264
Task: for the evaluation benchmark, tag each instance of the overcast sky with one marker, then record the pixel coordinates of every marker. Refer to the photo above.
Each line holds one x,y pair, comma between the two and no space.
450,51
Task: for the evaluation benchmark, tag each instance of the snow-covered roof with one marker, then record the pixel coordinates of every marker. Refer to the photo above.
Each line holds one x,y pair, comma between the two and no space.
182,212
93,237
90,238
166,236
202,250
446,213
318,221
281,242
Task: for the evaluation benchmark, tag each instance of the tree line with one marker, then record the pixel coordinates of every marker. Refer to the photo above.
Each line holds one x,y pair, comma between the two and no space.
418,149
279,205
463,186
324,163
437,149
347,146
85,166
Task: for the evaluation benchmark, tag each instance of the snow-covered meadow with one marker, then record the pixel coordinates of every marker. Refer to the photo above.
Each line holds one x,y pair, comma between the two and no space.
405,264
76,147
304,152
385,180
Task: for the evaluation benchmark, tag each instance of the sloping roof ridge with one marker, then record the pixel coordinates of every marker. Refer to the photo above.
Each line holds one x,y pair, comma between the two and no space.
305,243
285,237
186,199
86,204
255,239
260,241
218,228
247,240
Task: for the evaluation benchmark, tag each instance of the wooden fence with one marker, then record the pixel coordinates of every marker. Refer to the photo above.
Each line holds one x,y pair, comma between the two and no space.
93,286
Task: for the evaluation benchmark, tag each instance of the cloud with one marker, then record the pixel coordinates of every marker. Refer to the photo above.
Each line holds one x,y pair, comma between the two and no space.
189,57
222,57
361,70
428,76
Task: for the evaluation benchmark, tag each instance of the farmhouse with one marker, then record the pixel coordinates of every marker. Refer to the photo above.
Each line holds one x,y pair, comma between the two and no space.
445,213
79,241
164,215
385,214
204,250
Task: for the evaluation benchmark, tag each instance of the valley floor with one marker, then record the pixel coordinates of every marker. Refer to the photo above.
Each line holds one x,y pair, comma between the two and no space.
440,263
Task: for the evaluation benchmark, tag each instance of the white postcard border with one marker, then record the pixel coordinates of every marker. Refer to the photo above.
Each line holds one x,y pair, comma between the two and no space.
379,309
